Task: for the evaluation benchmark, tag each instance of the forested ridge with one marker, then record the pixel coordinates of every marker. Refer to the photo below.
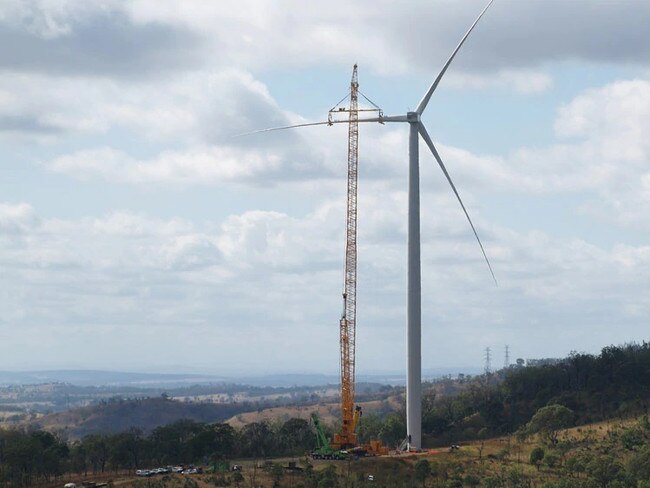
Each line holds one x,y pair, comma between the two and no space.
120,414
614,383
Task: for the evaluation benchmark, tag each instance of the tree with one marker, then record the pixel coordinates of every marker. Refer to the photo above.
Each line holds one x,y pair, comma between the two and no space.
256,440
536,456
127,448
171,442
369,427
492,482
551,459
49,454
482,435
224,440
210,441
632,438
78,458
549,420
575,465
639,465
604,470
422,471
516,477
394,429
296,436
96,445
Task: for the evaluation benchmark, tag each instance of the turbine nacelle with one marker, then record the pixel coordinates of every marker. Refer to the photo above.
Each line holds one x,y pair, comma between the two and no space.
413,117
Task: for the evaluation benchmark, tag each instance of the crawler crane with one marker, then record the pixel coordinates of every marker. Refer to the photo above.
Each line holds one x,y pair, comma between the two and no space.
346,439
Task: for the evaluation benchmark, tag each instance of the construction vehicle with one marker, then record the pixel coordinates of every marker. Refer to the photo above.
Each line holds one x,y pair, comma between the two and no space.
346,440
324,449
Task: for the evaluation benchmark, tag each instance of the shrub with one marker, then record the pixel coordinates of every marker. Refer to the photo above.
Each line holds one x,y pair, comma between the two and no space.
551,459
536,456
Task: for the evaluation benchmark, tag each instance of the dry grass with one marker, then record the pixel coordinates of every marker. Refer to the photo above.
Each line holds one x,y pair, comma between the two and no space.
491,457
328,412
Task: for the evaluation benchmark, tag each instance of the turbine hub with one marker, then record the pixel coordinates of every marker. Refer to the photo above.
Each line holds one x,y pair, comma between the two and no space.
412,117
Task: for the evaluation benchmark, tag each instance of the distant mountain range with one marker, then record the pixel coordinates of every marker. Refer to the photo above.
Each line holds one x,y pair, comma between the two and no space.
103,378
164,380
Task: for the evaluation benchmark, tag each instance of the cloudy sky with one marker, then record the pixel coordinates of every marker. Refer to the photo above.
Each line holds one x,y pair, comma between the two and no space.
136,234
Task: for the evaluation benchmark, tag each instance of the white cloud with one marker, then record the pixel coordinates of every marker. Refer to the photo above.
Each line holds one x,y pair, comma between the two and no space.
507,49
613,117
268,269
15,218
526,82
201,165
278,274
602,151
603,155
205,106
512,34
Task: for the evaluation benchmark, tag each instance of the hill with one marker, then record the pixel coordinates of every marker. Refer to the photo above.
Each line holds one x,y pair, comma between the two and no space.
329,413
598,387
614,454
120,415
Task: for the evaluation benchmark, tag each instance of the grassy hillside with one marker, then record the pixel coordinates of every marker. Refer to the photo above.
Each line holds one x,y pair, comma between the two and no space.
329,413
607,454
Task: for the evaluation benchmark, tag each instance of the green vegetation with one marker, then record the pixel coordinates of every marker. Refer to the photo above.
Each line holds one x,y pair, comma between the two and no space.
26,457
615,455
548,422
529,408
580,389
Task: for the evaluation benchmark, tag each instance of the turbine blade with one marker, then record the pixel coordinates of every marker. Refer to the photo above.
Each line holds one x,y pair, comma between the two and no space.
427,139
425,100
381,120
281,128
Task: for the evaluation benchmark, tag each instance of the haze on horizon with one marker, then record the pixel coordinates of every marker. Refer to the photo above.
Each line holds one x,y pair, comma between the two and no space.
137,235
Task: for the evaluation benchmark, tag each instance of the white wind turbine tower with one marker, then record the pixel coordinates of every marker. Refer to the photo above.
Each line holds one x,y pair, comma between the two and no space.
413,304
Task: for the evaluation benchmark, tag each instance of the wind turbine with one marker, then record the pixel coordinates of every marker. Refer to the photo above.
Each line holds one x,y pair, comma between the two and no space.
414,294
